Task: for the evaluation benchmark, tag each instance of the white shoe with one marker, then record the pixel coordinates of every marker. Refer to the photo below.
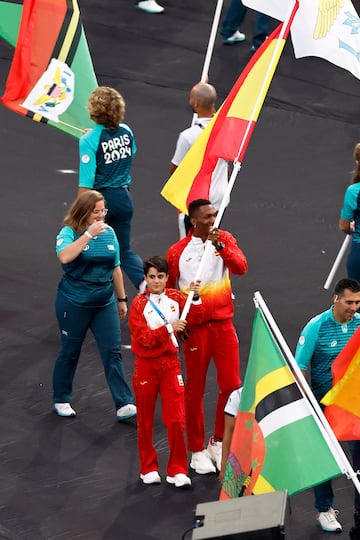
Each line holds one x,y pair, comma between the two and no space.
64,409
328,522
214,451
179,480
126,412
237,37
150,6
201,463
152,477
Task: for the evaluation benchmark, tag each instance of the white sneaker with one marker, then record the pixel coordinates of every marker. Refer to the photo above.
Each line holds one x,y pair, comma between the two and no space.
201,463
237,37
214,451
64,409
152,477
328,522
150,6
179,480
126,412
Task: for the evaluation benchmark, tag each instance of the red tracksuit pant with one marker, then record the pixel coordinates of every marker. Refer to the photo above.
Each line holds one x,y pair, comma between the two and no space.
153,376
217,340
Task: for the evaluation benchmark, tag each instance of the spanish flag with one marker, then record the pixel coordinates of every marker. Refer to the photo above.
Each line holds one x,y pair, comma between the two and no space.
228,134
343,404
46,30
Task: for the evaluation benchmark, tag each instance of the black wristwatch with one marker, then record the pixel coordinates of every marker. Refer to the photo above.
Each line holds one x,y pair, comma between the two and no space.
219,246
125,299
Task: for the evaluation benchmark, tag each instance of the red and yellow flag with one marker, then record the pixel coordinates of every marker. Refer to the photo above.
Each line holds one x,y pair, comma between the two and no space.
228,134
343,404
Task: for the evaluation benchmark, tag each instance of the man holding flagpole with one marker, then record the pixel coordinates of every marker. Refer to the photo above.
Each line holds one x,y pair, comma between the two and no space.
215,337
320,342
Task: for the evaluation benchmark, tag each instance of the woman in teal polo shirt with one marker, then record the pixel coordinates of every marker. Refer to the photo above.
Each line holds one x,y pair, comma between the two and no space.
90,295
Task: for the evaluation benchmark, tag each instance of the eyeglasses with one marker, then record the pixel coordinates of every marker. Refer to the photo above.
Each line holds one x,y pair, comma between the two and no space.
103,211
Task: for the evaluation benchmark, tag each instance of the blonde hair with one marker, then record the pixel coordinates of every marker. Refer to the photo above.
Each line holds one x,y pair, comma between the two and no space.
81,209
106,106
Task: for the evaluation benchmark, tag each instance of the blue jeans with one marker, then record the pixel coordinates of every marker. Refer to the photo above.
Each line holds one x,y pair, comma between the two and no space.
324,496
74,321
234,18
121,209
353,261
355,452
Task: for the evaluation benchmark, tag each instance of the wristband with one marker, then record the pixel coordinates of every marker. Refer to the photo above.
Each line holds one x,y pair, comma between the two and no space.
219,246
125,299
196,297
90,236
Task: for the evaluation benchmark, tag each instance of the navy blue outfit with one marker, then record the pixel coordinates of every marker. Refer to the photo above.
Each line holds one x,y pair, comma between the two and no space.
85,300
351,212
234,18
105,161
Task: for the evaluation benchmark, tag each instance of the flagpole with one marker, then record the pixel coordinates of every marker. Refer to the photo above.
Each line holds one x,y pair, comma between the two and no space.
337,261
339,455
237,163
210,48
69,125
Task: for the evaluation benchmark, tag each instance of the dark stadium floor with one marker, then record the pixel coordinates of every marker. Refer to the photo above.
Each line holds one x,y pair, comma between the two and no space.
77,479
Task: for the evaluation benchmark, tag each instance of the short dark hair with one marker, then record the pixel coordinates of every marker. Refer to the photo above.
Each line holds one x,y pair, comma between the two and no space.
195,205
157,261
346,283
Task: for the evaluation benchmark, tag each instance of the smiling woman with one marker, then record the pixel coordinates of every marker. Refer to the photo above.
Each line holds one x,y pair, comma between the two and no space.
89,253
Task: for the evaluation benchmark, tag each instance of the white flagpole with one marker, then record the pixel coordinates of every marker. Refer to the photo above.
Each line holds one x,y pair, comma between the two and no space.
334,446
210,47
237,164
70,126
337,261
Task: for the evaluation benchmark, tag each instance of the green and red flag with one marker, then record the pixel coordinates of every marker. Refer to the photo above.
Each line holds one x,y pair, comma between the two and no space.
10,20
229,132
342,401
277,442
49,30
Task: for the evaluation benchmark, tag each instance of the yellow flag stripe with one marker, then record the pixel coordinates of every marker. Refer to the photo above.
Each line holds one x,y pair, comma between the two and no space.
70,33
271,382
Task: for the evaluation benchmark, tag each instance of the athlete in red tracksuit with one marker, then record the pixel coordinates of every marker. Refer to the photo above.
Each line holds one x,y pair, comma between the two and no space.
154,323
215,337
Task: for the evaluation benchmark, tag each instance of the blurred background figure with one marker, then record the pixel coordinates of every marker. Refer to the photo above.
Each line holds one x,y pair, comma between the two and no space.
150,6
234,17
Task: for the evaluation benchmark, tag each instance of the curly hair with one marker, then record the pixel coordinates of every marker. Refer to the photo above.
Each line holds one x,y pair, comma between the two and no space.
81,209
356,172
106,106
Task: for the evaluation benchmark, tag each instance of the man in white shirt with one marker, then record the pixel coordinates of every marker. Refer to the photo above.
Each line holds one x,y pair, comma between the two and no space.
202,101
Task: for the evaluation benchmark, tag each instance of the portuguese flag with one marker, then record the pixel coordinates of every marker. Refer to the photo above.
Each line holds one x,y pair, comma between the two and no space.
45,30
277,444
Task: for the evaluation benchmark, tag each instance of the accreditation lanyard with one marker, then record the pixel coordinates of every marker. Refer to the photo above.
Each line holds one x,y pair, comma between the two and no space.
166,322
156,308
